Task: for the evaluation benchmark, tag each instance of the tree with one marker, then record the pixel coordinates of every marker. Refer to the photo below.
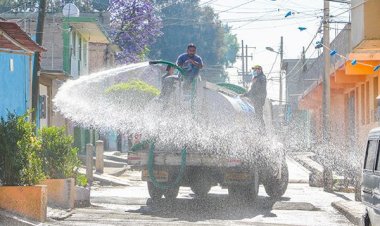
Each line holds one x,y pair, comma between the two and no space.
134,26
231,46
13,6
187,22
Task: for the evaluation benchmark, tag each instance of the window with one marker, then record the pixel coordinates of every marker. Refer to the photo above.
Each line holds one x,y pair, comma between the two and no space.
73,43
375,94
378,162
362,104
370,157
11,66
357,105
367,118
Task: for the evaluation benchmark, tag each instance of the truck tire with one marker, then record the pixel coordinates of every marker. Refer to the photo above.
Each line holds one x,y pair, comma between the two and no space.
154,192
171,193
201,190
201,184
276,187
245,192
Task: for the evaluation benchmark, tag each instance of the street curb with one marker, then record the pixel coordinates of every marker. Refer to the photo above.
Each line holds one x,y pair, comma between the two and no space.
110,180
18,220
315,168
352,210
117,158
107,162
107,179
118,173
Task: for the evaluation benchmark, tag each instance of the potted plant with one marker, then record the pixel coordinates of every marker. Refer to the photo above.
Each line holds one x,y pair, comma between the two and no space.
82,191
59,161
21,169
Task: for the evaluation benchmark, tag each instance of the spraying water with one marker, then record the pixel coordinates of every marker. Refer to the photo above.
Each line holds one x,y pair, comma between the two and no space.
211,127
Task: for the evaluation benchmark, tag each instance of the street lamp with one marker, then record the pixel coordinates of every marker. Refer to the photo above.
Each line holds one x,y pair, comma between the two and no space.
271,50
281,52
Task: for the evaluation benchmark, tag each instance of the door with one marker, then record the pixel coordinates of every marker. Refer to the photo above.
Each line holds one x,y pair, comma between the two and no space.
369,179
351,120
74,55
376,190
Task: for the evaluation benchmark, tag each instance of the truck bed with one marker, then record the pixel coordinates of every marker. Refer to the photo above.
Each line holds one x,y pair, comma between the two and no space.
139,159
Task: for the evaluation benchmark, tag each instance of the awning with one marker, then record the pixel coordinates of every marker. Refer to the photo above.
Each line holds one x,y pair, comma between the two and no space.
54,74
12,37
90,31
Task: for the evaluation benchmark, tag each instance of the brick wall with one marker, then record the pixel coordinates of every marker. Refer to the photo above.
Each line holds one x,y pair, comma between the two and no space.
97,57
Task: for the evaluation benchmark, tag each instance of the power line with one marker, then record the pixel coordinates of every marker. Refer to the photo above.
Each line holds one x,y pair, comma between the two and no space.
208,2
351,8
289,75
275,60
235,7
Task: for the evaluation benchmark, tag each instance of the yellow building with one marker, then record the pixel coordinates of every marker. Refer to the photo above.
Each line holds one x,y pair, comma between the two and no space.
354,78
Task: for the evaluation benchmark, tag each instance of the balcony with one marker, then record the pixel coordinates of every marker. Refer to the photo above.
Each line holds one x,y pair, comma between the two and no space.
365,23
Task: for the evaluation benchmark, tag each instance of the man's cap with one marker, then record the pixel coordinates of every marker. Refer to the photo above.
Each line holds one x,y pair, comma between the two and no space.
191,45
257,67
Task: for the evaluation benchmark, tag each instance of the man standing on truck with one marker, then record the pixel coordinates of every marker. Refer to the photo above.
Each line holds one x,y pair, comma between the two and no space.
191,63
258,93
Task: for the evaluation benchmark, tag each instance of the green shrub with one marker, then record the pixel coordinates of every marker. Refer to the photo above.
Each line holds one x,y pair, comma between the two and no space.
134,92
81,180
135,86
59,157
19,152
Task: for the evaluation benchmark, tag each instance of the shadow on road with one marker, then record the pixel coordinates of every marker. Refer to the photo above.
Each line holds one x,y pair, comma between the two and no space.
215,206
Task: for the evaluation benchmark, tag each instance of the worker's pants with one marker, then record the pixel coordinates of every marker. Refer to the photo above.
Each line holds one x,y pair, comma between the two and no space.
259,115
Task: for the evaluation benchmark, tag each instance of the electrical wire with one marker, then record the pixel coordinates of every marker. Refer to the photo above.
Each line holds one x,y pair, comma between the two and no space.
237,6
311,42
351,8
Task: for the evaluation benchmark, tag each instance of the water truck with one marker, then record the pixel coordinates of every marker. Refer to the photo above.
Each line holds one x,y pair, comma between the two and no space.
165,168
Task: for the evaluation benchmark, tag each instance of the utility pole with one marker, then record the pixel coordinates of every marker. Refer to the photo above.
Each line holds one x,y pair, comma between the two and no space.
327,172
246,59
37,66
282,58
242,59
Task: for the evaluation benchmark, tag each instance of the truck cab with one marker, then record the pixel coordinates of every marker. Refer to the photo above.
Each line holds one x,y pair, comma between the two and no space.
371,179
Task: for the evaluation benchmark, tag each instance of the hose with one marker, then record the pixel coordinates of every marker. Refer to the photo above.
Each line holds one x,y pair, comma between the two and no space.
182,168
151,169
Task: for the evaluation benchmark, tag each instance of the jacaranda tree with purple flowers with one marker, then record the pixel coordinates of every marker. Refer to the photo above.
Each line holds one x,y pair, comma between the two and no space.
135,25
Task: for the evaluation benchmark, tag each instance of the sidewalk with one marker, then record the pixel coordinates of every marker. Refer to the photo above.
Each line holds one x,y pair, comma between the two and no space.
352,210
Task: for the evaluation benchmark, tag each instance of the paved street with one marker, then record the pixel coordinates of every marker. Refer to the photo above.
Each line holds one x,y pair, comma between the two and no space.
301,205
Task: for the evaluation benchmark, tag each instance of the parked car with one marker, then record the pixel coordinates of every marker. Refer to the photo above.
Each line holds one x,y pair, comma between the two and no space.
371,180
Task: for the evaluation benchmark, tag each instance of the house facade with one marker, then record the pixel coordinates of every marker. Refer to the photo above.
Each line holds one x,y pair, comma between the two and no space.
76,46
354,78
16,58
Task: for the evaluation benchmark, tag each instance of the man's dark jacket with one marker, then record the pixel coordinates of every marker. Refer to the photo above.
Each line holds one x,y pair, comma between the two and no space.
258,91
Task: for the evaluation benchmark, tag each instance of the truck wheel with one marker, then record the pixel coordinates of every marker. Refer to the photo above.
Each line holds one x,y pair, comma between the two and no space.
246,192
201,184
276,187
171,193
201,190
154,192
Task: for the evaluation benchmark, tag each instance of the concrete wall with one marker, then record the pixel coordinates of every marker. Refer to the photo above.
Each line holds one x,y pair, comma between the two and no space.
357,24
60,192
53,38
97,53
365,21
44,113
56,118
27,201
15,84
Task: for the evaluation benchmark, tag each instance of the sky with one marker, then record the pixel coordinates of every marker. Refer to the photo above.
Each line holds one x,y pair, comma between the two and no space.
261,23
